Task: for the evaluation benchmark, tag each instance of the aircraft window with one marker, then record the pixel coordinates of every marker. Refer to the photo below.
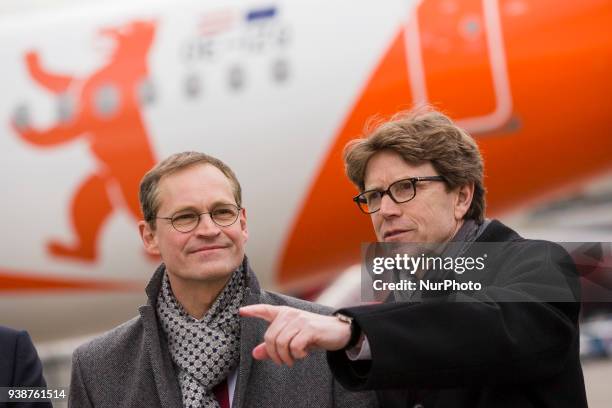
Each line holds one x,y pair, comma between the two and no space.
22,117
280,70
146,92
236,77
106,100
65,108
193,85
471,28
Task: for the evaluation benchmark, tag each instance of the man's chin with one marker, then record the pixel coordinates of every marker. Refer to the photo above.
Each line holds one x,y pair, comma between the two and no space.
215,267
212,272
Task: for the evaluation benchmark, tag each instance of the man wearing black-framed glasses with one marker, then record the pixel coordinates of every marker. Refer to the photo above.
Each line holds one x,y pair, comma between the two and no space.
512,344
189,347
400,191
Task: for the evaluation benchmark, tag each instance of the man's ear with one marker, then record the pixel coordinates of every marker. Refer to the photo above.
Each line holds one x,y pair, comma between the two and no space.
465,194
149,238
243,224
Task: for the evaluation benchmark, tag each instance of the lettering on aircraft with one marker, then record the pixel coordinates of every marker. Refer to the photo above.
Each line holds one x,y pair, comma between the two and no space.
228,35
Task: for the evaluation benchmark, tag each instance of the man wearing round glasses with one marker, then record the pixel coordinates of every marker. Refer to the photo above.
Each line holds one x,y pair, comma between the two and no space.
514,344
189,347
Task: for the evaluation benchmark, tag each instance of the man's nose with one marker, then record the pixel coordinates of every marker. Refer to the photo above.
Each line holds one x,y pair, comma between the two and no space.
206,227
388,207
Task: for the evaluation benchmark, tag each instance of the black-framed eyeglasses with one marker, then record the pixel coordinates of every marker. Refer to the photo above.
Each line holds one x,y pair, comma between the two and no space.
222,215
399,191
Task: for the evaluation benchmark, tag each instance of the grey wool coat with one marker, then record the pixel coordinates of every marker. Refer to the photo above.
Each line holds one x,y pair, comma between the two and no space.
130,366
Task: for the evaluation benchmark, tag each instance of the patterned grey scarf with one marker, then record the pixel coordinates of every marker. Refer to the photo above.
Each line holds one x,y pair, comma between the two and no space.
204,351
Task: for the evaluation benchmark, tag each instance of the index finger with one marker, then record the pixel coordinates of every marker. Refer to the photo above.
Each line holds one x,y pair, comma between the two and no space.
266,312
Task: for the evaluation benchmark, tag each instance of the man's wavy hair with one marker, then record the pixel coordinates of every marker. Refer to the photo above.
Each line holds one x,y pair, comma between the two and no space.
423,135
149,194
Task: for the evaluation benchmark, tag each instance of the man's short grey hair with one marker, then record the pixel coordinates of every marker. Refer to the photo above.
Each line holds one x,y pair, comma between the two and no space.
149,194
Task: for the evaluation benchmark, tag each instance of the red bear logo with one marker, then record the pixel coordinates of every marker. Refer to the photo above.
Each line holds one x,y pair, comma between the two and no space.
106,112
